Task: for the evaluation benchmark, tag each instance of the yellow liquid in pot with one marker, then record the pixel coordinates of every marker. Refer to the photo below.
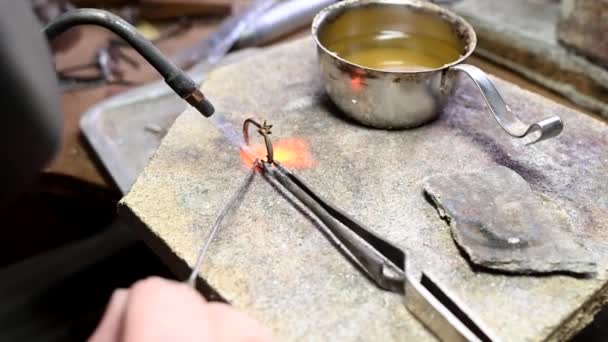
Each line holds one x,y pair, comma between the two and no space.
396,51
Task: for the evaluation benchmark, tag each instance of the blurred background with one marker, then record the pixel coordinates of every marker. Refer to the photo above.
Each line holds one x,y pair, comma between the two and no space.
63,241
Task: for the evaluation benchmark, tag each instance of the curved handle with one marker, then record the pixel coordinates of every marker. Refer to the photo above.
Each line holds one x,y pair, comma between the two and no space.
548,128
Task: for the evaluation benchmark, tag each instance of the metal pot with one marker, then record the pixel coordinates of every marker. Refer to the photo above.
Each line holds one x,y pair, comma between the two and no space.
405,99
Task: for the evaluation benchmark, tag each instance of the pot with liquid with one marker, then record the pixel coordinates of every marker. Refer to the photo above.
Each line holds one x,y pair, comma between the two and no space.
383,61
390,64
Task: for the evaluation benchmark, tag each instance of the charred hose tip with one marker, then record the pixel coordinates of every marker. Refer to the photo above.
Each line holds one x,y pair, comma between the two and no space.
197,100
187,90
175,78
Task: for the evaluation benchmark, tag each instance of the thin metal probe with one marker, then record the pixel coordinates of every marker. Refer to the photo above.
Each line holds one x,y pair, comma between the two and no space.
216,226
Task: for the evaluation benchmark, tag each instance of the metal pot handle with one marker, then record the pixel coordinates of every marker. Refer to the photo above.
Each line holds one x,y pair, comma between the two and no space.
548,128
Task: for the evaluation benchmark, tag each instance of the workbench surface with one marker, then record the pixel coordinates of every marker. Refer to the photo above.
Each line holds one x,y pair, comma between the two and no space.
273,261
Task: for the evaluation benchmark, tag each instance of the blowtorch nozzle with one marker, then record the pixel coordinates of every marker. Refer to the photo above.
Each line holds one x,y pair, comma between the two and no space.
175,78
197,100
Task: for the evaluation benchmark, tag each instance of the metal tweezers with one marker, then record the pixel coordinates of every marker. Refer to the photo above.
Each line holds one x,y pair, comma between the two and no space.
380,260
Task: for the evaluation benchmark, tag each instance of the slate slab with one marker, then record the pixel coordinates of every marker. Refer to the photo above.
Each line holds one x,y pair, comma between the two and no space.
502,224
272,261
522,35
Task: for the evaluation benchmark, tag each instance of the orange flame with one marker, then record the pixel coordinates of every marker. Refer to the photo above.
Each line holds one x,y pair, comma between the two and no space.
356,82
293,153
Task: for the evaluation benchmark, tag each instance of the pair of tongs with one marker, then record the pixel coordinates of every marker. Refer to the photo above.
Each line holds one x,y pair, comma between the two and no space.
383,262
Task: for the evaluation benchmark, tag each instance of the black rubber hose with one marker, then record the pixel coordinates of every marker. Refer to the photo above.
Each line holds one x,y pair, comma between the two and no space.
174,76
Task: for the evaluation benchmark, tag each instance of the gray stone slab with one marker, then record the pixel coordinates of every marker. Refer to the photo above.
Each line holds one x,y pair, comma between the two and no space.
272,261
502,224
522,35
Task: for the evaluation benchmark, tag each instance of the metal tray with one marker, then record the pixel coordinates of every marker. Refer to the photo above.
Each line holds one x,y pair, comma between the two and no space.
126,129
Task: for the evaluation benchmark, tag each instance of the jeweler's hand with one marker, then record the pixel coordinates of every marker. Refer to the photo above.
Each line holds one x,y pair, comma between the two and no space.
157,309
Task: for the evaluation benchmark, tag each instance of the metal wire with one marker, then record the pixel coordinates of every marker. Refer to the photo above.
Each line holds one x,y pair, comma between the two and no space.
215,228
